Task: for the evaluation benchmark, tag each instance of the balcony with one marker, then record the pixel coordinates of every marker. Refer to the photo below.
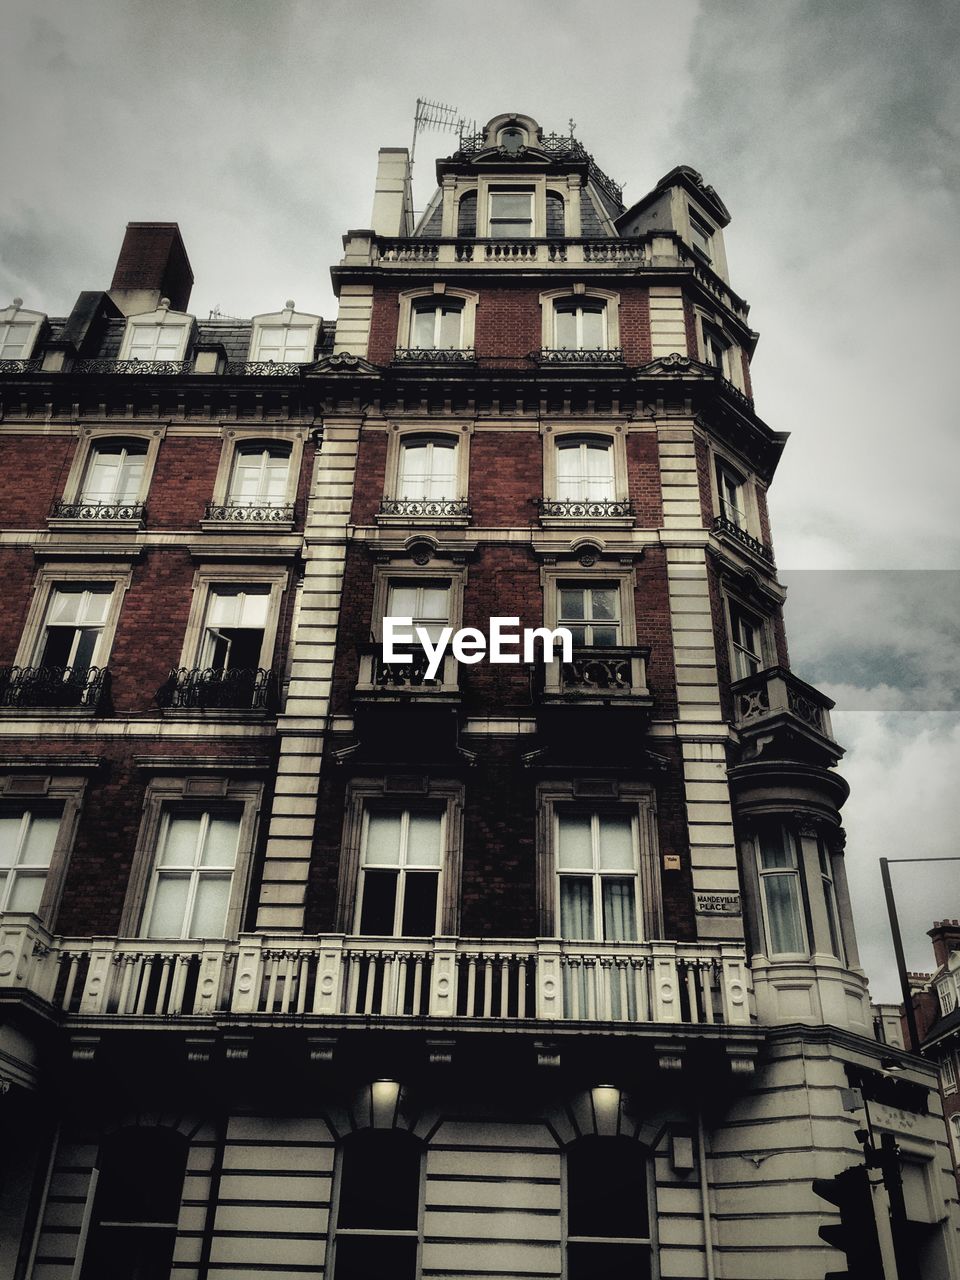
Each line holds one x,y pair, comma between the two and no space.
17,368
77,688
129,514
259,514
730,530
555,512
141,367
579,356
449,511
434,355
453,980
775,711
210,689
598,677
405,682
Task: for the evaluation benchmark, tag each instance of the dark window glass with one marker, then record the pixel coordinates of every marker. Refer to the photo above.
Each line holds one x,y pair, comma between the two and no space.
379,1192
379,903
420,905
607,1189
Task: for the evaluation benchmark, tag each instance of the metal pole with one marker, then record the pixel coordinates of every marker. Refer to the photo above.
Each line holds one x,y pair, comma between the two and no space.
908,1009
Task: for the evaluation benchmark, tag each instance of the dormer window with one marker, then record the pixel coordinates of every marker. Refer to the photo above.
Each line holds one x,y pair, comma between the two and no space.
19,331
701,235
512,140
436,323
511,214
284,337
160,335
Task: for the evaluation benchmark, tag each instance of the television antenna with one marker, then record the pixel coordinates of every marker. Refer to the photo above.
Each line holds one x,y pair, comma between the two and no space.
437,115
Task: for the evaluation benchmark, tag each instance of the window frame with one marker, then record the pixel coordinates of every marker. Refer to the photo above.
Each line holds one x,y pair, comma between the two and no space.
36,789
335,1230
611,310
698,223
731,366
600,575
397,436
166,793
235,439
15,314
436,303
948,1074
53,575
514,189
735,611
405,811
437,292
205,811
89,439
597,874
161,318
389,794
796,872
650,1241
206,578
288,318
636,799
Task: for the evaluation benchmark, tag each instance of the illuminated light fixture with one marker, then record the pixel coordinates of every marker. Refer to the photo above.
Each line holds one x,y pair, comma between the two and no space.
606,1109
384,1097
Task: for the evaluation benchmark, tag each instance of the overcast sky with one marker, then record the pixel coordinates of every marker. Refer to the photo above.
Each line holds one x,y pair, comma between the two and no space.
831,131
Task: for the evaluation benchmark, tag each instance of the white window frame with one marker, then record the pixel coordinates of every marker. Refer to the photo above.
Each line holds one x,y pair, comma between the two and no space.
190,793
386,576
736,610
402,867
287,319
397,437
267,452
796,871
510,189
948,1074
599,575
427,794
436,304
575,293
698,222
554,433
590,623
90,439
731,365
633,798
51,792
437,293
947,995
596,874
196,872
15,314
235,439
274,578
54,575
431,443
162,318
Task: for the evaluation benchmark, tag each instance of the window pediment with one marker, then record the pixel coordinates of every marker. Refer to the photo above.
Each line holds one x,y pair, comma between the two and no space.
159,335
285,337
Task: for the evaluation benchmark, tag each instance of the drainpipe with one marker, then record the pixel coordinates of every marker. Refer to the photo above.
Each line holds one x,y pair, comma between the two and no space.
705,1198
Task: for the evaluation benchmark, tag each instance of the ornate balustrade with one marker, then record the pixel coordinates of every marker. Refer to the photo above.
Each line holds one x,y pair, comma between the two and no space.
570,509
250,513
164,367
61,687
407,680
13,368
425,508
97,512
259,976
207,688
776,692
588,355
599,674
264,368
730,529
434,355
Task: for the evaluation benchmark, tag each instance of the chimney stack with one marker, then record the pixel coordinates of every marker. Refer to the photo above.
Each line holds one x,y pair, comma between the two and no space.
946,938
153,264
393,198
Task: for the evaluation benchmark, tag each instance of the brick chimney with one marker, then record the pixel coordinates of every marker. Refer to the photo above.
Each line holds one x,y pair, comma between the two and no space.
946,938
153,264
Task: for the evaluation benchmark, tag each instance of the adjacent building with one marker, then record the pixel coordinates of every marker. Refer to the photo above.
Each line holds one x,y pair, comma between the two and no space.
936,1006
311,964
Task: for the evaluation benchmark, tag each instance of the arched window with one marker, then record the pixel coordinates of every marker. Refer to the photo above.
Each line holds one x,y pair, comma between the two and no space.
134,1223
436,323
428,468
580,324
467,214
556,227
260,474
585,469
114,471
608,1210
377,1222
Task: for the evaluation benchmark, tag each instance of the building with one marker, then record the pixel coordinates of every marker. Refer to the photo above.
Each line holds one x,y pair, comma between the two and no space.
311,964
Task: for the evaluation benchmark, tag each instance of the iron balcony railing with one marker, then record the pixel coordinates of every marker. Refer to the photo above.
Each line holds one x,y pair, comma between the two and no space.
265,368
558,146
426,508
209,689
723,525
59,687
501,979
584,509
250,513
164,367
97,512
12,368
434,355
586,355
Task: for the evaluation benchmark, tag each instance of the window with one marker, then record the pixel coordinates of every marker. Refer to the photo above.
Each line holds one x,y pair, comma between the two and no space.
16,340
591,613
608,1211
715,349
585,471
260,475
511,214
746,635
72,632
114,471
436,324
580,324
196,859
701,235
780,892
234,630
830,897
730,489
133,1226
948,1075
426,602
400,868
28,837
285,344
955,1135
597,870
377,1231
156,342
428,468
947,996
